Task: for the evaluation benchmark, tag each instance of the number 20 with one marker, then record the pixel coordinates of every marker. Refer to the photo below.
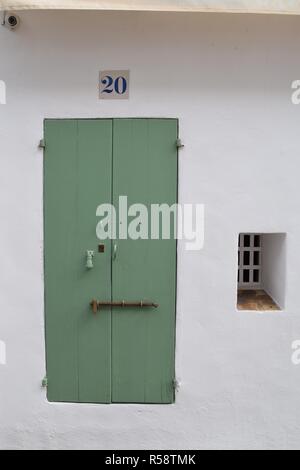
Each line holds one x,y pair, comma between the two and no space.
119,85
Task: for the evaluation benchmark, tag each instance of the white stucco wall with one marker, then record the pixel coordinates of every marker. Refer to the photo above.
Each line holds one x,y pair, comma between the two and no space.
227,78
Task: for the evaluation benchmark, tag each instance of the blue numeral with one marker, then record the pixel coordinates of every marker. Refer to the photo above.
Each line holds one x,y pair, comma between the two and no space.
108,81
119,85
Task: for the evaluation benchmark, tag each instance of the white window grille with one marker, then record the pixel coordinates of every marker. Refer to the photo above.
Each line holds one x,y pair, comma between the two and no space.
250,262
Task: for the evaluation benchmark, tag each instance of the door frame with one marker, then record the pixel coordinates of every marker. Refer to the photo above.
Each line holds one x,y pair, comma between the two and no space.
43,145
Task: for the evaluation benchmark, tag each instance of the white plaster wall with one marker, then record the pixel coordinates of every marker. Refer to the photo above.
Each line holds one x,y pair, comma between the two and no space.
227,78
274,266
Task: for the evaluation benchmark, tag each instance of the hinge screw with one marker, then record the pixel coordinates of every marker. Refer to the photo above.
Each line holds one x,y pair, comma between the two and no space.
176,385
45,382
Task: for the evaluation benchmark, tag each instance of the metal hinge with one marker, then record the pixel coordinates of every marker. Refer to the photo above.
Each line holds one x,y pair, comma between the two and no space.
179,144
176,385
45,382
42,144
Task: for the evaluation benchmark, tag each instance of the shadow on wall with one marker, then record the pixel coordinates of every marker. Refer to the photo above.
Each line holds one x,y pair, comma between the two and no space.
274,266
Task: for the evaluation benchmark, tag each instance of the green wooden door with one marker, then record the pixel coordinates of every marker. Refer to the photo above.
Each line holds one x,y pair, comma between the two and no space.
118,355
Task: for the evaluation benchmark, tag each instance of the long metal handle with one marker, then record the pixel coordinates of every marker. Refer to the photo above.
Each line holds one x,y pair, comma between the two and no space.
96,305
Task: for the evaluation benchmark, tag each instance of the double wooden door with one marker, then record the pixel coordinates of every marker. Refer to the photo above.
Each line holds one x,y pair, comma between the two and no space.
116,355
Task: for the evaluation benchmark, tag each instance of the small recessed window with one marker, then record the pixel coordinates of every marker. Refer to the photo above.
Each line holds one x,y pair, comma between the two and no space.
261,271
249,261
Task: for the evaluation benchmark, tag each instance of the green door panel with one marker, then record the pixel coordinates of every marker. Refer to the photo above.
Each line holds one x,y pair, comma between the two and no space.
145,170
119,355
78,166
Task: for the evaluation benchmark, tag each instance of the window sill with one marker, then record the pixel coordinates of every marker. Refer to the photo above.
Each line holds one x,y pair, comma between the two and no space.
256,300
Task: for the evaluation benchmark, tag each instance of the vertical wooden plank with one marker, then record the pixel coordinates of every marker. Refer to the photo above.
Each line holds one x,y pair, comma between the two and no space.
60,187
94,331
78,162
145,170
